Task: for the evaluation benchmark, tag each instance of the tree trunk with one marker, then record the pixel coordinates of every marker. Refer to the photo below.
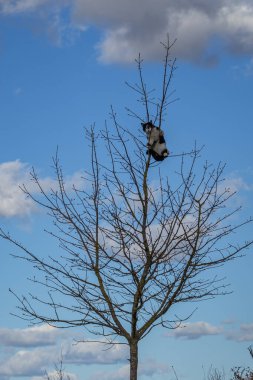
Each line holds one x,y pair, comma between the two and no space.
133,360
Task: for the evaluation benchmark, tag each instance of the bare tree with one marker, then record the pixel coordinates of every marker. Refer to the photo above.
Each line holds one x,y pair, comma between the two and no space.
135,242
242,373
215,374
58,373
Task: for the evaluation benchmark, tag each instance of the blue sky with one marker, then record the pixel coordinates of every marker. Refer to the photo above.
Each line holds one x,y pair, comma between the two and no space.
63,64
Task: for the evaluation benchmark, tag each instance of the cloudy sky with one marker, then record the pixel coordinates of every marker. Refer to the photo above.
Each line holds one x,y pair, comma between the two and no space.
63,64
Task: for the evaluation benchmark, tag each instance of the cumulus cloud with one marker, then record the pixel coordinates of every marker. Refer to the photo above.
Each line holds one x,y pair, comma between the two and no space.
245,334
204,29
94,353
149,369
31,336
14,174
197,25
38,359
195,330
28,363
13,201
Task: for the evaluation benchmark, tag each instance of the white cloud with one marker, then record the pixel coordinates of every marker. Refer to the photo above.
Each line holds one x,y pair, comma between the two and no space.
94,353
245,334
13,201
31,362
14,174
236,23
31,336
194,23
36,361
28,363
235,184
54,375
149,368
195,330
131,27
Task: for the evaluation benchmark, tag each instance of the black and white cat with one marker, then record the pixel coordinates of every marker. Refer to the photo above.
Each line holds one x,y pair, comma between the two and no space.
156,142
